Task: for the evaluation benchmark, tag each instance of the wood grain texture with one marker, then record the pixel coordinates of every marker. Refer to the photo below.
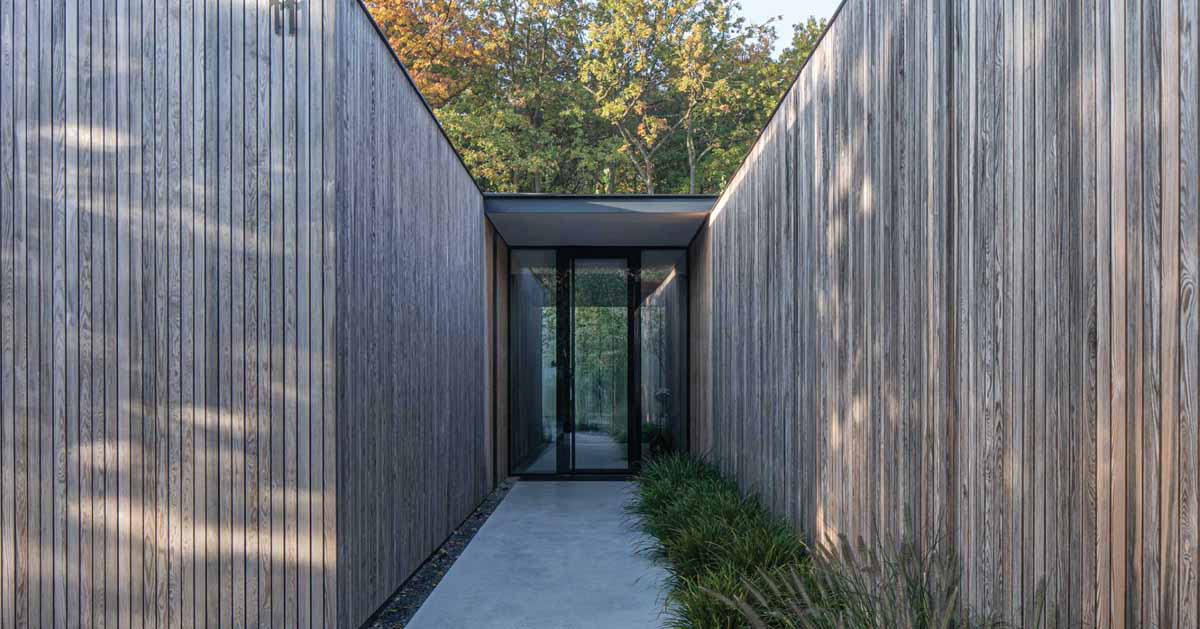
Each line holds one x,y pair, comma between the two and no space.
700,424
822,208
8,342
410,317
500,358
169,318
134,175
1021,347
1189,317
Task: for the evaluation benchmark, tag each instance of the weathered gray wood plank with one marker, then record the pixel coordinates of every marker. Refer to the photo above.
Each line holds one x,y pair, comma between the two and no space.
1104,325
82,417
248,224
1169,260
1085,575
1149,371
1066,281
140,569
22,325
303,516
209,316
8,344
262,540
172,352
236,331
1189,284
59,223
1120,373
330,136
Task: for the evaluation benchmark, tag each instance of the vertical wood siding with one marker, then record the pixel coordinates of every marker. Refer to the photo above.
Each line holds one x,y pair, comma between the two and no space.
499,357
411,326
175,277
164,181
953,291
798,270
700,426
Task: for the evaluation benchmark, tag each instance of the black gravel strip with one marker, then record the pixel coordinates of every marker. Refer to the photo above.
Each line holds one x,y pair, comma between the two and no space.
403,605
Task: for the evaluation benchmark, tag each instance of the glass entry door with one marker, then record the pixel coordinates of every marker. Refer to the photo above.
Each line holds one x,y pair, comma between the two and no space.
600,372
597,358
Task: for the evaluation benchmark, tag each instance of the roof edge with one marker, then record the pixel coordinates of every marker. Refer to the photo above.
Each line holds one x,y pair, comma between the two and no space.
579,204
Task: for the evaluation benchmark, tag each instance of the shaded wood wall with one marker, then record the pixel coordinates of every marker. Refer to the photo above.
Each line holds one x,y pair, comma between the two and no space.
498,356
953,291
166,408
412,326
700,339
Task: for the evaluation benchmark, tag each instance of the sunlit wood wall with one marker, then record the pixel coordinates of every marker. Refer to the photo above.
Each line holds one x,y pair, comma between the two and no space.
953,293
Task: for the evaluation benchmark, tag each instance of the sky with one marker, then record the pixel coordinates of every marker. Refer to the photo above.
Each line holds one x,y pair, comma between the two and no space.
793,11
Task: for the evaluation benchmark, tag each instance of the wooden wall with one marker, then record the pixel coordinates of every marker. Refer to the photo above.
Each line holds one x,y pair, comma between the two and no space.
499,356
700,339
953,292
176,275
412,326
166,453
812,364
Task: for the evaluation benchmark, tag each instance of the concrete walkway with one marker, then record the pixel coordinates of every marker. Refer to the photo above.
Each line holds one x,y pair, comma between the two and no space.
558,554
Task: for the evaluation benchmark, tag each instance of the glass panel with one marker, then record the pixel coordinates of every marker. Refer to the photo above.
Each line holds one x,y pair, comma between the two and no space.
601,364
533,431
663,326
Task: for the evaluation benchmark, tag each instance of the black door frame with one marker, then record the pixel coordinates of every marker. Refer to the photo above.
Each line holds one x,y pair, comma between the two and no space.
565,355
564,380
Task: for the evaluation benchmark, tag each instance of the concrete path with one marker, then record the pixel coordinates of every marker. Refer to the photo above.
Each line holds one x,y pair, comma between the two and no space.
556,554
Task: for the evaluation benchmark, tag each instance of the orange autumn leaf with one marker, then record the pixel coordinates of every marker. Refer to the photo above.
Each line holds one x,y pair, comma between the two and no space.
441,42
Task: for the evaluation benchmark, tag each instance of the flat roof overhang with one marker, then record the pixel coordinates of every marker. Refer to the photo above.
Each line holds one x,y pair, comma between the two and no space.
627,220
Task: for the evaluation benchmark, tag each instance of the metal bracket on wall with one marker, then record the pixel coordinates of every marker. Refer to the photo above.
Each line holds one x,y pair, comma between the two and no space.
292,9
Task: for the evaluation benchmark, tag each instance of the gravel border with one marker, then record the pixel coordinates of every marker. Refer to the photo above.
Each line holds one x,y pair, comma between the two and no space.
403,605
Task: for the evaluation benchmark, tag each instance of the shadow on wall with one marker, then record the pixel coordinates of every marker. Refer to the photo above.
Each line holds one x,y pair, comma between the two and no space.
167,435
957,259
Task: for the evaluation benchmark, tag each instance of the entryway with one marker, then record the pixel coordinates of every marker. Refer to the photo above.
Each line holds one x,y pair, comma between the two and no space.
598,358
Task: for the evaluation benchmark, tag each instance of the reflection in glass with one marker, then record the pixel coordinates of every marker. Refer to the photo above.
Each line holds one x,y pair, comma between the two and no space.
662,320
600,318
600,409
532,324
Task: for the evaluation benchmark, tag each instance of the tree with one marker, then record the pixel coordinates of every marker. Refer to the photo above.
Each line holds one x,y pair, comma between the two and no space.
631,50
595,96
443,43
734,121
805,37
718,63
526,123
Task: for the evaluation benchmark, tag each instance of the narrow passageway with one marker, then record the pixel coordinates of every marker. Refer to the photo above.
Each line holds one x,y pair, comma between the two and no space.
558,554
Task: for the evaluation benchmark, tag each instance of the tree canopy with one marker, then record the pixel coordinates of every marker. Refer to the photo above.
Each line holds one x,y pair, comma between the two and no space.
596,96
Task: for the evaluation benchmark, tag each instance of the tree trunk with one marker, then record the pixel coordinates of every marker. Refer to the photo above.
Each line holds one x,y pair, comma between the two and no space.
691,153
649,176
